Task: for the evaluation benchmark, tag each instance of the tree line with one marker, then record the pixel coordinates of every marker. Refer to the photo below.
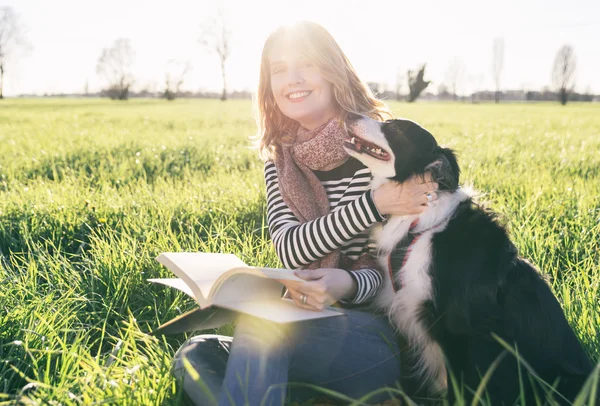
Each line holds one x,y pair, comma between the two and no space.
115,66
562,74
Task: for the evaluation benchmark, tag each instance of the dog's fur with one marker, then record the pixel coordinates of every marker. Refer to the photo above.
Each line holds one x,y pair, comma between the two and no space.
463,285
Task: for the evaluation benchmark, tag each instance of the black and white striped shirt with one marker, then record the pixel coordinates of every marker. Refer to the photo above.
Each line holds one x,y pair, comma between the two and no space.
346,227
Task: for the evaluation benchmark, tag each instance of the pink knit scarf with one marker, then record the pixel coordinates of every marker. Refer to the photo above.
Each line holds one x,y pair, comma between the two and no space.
303,192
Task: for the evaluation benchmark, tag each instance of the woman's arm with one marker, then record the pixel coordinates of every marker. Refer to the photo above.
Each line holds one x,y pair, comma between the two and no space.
298,244
368,281
324,286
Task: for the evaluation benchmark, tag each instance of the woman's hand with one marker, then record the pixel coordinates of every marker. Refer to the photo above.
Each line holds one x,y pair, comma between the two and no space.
409,197
322,287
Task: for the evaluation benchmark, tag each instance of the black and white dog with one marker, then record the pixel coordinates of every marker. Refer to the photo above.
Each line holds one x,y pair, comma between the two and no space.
456,283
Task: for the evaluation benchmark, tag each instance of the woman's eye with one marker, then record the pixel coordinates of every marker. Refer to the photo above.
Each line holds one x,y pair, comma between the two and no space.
307,65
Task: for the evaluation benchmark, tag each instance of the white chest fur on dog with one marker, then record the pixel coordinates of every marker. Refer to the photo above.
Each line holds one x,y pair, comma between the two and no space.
404,306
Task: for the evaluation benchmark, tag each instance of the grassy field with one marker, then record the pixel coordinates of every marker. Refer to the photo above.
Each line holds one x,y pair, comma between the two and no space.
92,190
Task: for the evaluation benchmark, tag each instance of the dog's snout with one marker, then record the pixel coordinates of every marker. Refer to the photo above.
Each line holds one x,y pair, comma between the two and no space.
352,117
364,127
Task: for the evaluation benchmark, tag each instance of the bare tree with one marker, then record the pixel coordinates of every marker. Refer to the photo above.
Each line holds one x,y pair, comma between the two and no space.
216,37
416,83
476,80
176,72
375,88
442,91
563,73
115,64
399,80
455,76
498,64
11,38
588,95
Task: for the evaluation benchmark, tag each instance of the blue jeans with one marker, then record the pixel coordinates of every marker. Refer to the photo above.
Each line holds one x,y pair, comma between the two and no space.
265,362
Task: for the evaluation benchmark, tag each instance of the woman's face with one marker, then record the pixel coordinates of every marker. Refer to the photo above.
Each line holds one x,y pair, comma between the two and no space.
299,89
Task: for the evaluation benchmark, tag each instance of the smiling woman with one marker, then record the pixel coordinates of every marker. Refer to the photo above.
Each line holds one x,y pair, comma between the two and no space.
305,79
319,212
294,79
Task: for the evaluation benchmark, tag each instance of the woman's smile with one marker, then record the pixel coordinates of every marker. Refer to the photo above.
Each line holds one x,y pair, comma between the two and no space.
299,86
296,97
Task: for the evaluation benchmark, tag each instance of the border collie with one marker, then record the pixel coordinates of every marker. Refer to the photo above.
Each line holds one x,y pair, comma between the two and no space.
457,287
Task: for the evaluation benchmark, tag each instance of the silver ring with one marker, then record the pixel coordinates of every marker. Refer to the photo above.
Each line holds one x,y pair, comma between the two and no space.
303,298
429,197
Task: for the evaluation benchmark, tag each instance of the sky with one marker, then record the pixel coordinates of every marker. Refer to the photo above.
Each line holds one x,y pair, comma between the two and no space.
380,37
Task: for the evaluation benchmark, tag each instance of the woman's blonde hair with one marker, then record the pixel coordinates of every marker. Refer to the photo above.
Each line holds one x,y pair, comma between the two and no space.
351,94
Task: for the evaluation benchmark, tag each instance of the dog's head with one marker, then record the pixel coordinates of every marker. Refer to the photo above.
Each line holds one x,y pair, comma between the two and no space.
398,149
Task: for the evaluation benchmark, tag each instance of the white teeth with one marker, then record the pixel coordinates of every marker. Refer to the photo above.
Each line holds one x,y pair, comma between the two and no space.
298,95
377,151
373,150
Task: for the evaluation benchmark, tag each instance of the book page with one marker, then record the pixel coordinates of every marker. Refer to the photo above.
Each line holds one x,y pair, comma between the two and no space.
272,273
240,287
276,310
202,265
280,310
199,270
258,277
175,283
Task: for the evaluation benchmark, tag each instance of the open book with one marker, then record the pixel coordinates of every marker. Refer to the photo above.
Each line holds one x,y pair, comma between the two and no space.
223,285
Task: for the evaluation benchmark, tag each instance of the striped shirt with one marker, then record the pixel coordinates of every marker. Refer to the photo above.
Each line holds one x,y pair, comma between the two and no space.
346,227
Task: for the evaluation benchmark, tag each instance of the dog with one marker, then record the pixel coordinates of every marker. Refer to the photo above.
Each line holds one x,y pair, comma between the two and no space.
457,288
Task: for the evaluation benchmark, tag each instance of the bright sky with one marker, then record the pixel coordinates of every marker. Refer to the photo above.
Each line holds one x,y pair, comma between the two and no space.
379,36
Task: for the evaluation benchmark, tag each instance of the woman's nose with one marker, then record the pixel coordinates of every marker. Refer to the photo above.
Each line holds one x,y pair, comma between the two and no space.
295,77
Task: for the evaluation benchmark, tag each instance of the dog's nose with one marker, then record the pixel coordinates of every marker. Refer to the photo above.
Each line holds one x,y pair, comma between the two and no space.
352,117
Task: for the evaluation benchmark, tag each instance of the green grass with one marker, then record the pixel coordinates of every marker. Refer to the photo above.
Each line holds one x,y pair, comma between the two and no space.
92,190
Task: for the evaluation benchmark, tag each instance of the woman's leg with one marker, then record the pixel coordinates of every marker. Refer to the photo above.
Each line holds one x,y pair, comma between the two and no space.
207,355
353,354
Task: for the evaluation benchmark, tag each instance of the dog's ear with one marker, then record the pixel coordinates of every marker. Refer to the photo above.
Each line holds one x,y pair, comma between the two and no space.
452,161
444,170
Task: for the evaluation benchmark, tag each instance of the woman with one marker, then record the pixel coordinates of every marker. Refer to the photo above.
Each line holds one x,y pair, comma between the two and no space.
319,211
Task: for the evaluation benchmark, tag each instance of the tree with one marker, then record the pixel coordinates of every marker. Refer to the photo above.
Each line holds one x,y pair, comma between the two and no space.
588,95
498,64
563,73
115,64
442,91
11,38
476,81
455,76
374,88
174,78
216,37
399,80
416,84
